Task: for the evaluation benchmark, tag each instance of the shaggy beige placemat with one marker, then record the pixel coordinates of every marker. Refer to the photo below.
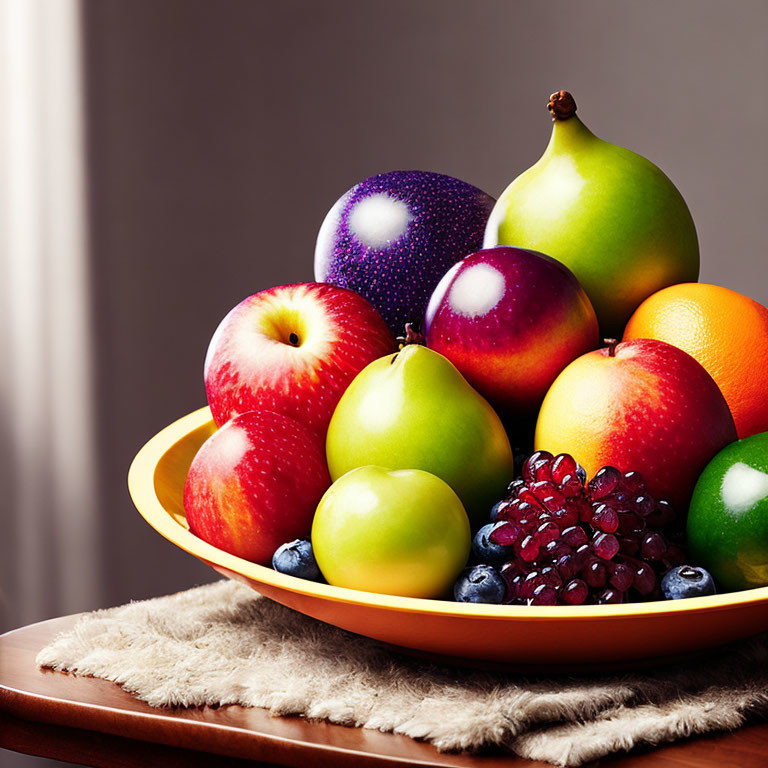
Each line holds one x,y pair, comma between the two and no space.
223,644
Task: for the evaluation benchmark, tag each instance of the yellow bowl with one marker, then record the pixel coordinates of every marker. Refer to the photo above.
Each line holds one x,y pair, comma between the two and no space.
556,637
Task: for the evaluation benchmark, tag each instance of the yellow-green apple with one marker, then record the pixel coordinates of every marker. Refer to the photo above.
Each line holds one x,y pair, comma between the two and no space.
642,406
414,410
510,320
401,532
254,484
292,350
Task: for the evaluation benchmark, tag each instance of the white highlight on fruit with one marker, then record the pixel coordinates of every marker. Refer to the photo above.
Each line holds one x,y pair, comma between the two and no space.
214,344
545,187
743,486
231,446
477,290
439,293
326,239
378,220
563,184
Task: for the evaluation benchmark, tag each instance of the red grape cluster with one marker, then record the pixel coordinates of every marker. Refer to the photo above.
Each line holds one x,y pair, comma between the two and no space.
571,544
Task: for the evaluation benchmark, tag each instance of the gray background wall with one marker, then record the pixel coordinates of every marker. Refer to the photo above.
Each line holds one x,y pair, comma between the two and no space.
221,132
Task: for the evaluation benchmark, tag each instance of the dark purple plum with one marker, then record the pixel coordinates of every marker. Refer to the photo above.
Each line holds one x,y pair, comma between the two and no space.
393,236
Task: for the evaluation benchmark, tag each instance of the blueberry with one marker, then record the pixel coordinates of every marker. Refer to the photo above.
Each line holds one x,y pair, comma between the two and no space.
495,511
481,584
687,581
485,551
296,558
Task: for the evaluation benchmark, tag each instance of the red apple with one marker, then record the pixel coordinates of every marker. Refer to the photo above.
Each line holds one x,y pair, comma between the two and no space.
255,483
510,320
292,350
642,406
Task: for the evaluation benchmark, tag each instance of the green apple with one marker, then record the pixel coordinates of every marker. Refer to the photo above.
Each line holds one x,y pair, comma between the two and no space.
401,532
728,519
414,410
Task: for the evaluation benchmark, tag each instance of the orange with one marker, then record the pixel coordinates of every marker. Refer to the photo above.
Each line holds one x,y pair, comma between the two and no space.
725,331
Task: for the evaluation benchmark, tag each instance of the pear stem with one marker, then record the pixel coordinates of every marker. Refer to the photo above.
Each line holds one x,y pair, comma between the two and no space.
412,336
611,344
561,105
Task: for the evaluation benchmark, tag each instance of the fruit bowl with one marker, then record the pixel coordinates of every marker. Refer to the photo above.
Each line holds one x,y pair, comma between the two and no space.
554,638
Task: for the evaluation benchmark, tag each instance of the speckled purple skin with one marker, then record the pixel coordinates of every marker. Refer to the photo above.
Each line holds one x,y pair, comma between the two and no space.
448,218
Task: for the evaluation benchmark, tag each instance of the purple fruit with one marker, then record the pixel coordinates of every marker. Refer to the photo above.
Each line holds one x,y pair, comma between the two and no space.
510,320
393,236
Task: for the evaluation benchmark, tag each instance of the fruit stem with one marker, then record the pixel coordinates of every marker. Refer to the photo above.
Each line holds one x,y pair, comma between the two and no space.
561,105
611,344
412,336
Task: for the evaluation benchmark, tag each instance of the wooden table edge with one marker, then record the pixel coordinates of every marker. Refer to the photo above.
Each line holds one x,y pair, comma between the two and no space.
211,738
214,738
238,743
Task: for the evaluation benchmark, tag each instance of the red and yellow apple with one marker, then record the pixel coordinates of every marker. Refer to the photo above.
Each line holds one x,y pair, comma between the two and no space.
254,484
510,320
641,405
293,350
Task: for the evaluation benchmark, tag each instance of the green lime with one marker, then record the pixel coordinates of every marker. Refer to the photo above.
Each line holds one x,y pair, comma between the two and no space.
728,519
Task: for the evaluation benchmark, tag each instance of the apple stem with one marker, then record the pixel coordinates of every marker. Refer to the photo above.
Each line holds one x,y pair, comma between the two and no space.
412,336
611,344
561,105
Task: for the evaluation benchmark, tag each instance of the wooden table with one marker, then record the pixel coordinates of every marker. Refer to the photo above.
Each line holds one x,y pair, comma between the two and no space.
94,722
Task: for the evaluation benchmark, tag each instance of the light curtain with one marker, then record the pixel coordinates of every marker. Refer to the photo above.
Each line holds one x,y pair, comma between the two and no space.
48,469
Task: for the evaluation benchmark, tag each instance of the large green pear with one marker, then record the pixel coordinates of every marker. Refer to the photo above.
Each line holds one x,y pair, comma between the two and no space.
414,410
611,216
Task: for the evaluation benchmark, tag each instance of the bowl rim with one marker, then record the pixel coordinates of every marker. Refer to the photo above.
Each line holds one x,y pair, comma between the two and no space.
141,486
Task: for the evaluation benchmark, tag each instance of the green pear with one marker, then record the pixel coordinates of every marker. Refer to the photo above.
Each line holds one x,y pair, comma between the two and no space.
414,410
611,216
